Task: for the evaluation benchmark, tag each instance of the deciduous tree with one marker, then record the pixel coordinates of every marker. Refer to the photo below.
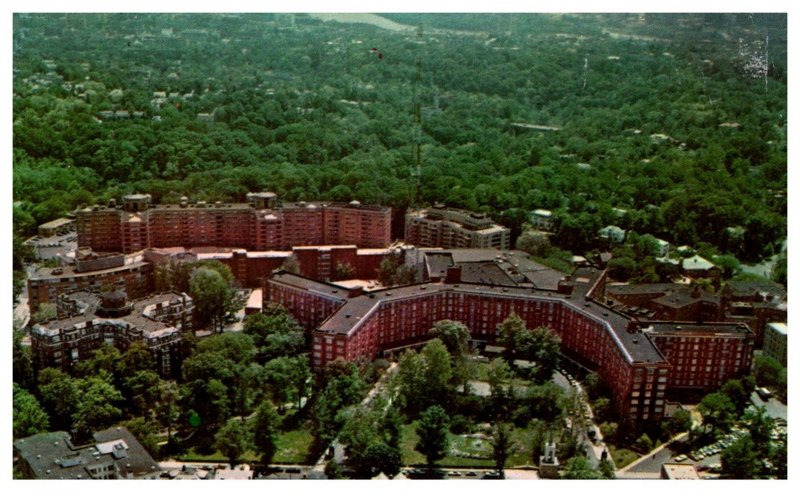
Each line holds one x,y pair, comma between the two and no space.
501,446
28,416
233,439
740,460
578,467
432,430
213,297
266,427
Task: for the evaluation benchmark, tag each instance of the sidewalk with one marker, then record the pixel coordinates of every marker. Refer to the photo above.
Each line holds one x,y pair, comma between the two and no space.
657,457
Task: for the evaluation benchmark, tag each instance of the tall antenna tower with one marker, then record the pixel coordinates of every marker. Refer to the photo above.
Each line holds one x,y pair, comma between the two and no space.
416,171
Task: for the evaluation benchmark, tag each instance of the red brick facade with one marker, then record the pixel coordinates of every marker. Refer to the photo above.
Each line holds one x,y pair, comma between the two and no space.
257,225
703,356
156,321
628,360
310,302
46,284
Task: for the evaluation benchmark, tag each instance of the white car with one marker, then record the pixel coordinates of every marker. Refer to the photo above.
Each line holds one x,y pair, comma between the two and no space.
680,458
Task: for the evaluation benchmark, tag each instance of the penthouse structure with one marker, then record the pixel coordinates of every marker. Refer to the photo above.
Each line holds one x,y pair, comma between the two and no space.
452,228
87,321
261,224
623,351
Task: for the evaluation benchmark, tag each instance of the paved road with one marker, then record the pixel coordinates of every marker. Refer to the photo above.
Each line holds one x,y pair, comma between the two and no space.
774,408
651,462
594,449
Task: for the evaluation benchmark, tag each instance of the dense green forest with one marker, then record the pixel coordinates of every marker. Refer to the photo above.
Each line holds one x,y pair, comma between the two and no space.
679,120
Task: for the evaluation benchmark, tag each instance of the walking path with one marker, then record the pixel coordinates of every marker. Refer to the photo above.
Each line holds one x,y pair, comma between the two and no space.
318,470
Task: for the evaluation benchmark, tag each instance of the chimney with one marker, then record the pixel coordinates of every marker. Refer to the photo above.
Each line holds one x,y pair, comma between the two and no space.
453,274
355,291
565,286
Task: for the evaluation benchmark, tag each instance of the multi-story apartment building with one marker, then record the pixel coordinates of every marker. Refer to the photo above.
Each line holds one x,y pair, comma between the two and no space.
87,321
113,453
91,272
260,224
775,341
702,356
452,228
755,303
592,334
310,301
250,268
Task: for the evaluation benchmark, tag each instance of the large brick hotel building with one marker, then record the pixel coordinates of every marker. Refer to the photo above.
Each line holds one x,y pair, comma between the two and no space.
639,361
261,224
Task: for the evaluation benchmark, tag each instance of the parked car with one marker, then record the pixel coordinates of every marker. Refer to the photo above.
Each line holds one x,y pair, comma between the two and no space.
764,393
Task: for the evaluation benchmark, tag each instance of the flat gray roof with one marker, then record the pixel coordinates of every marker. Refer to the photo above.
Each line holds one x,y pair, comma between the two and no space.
318,287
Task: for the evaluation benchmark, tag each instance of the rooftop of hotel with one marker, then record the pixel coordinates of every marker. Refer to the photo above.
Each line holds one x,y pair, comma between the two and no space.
643,288
510,267
685,296
211,205
69,270
706,328
306,283
636,346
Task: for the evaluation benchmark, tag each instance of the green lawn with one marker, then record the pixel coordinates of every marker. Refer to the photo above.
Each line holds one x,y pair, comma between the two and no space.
292,447
521,452
621,456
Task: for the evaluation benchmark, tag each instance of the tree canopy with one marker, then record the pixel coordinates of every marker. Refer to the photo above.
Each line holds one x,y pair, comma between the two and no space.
109,104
